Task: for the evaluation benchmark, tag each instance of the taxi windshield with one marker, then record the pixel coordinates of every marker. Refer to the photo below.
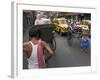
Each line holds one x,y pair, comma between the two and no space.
62,22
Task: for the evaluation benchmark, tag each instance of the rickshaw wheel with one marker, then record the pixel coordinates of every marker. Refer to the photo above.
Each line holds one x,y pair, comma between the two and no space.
53,44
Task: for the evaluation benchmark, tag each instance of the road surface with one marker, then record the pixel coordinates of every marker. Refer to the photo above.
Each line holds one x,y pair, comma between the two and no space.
69,54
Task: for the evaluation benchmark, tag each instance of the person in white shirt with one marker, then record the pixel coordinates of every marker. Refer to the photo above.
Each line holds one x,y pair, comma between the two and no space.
34,50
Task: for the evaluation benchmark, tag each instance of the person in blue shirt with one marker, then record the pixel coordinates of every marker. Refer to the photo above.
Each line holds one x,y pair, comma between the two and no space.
84,42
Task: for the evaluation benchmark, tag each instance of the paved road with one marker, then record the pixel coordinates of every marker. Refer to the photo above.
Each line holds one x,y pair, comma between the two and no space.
67,54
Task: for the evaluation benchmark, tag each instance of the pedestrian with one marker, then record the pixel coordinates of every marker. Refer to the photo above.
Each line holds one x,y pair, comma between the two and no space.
84,42
34,50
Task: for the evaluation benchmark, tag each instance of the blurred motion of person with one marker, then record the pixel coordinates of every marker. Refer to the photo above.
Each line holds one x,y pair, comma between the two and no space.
34,50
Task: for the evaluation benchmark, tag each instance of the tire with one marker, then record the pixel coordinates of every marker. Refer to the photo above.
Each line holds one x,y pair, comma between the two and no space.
53,44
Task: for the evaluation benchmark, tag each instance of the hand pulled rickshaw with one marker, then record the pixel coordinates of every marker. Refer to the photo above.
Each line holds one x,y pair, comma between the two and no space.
46,32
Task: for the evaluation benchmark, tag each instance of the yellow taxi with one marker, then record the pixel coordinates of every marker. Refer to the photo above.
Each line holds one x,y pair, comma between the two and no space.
87,22
61,25
85,29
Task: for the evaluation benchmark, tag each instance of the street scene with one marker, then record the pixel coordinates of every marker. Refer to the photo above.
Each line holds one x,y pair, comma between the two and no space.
67,34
